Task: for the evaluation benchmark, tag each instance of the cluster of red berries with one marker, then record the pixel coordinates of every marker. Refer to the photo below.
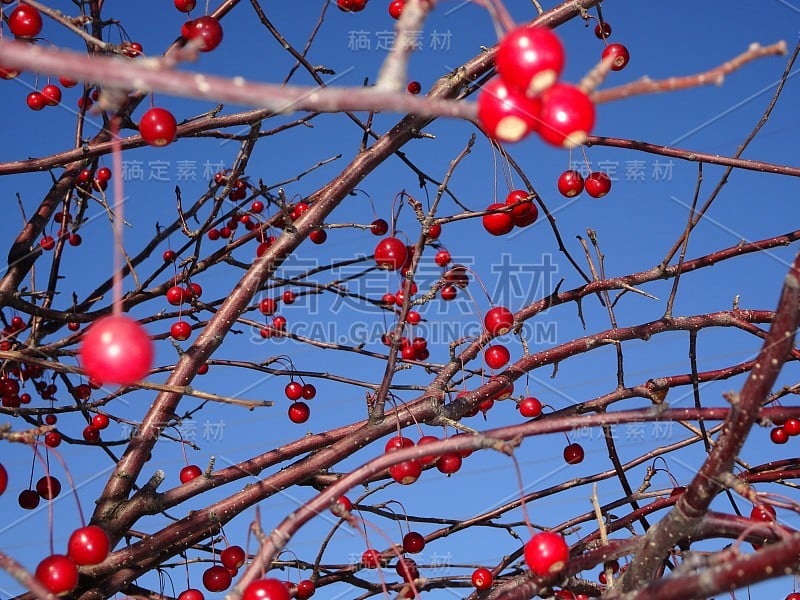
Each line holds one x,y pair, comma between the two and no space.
48,242
87,545
299,411
218,578
408,471
617,53
527,96
788,428
176,295
49,96
571,183
405,567
395,6
500,220
98,181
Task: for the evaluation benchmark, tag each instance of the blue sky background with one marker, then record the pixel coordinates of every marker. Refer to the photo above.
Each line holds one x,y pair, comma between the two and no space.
636,224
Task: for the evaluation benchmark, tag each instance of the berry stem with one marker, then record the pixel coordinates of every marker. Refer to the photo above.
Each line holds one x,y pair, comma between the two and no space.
117,212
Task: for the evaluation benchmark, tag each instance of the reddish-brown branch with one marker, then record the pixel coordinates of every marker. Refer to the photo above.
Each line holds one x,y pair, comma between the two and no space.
692,156
713,76
694,503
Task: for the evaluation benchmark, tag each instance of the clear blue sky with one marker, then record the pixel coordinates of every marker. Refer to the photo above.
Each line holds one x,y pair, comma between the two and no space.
636,224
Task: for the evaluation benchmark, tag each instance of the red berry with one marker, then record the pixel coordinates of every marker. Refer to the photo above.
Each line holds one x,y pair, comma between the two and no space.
398,442
530,59
429,459
498,320
618,54
47,242
496,356
406,472
602,31
299,412
379,227
4,477
28,499
100,421
58,574
103,174
413,317
194,290
207,30
293,390
505,114
88,545
25,21
318,236
530,407
90,434
67,82
309,391
449,463
48,487
267,306
36,101
371,559
216,578
266,589
414,87
598,184
778,435
52,95
343,504
391,253
158,127
763,512
413,542
191,594
498,223
116,349
232,557
546,553
185,5
180,330
573,454
448,292
442,258
524,212
482,578
305,589
176,295
570,183
792,426
407,569
567,116
52,439
8,72
396,8
189,472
